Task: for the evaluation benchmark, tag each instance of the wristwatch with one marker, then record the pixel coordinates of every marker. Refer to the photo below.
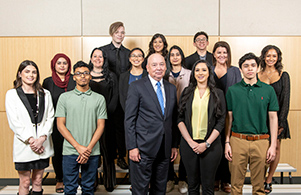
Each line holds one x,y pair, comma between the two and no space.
207,144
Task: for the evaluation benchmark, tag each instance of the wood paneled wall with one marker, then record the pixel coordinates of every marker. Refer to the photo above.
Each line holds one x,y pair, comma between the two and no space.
13,50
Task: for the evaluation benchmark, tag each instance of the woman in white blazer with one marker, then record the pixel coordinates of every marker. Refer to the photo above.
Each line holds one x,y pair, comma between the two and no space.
30,116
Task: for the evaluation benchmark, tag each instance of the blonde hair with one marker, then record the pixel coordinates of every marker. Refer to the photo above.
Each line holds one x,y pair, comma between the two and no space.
114,27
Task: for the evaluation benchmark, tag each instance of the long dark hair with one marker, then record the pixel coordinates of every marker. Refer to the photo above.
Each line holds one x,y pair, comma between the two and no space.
168,63
225,45
106,73
278,65
193,84
18,82
151,49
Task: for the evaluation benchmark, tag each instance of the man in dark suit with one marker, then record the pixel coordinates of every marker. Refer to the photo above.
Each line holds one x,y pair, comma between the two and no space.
150,128
200,41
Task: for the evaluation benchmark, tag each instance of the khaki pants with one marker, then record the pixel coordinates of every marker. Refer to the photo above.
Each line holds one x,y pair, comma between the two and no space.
246,152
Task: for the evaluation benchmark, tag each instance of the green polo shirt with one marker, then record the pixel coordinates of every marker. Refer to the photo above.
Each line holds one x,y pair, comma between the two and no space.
81,110
250,106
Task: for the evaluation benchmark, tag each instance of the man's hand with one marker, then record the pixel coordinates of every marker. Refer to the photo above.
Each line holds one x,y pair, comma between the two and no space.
174,154
228,152
134,155
82,160
83,151
271,154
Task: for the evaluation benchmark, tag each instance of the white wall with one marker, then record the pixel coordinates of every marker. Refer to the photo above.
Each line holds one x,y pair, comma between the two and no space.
170,17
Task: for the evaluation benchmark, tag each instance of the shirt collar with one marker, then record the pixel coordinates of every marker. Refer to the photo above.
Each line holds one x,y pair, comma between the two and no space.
112,47
257,84
154,82
77,92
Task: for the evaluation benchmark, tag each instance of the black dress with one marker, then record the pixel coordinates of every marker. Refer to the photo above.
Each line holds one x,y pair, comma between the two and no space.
282,89
37,164
107,140
57,138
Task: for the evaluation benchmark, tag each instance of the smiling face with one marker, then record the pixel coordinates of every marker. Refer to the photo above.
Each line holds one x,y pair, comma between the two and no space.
97,59
271,57
201,73
175,57
158,45
249,69
118,36
221,55
61,66
156,66
28,75
201,42
136,58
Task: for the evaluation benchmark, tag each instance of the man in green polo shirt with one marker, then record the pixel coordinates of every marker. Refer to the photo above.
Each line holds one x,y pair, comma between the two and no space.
249,103
81,115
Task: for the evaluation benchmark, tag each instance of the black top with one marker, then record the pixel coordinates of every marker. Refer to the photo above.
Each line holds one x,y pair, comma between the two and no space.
190,60
124,53
124,86
221,83
33,103
55,90
282,89
109,91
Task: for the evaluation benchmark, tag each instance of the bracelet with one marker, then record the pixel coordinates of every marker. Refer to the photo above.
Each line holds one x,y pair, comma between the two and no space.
227,142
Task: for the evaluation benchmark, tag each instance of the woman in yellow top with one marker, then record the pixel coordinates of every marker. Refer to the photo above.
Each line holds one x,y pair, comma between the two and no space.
202,113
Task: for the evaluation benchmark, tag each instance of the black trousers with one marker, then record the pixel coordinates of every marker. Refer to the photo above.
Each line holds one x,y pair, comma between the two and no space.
118,127
201,168
150,170
57,159
223,172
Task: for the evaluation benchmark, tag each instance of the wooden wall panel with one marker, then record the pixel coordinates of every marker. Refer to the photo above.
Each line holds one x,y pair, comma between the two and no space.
38,49
7,167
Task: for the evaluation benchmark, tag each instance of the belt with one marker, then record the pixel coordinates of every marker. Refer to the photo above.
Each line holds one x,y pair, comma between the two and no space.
250,137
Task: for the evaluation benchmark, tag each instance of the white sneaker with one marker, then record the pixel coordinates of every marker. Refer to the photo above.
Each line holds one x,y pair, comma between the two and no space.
170,186
183,187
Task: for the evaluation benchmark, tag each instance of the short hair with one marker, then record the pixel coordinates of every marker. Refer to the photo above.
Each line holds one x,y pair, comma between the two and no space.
198,34
248,56
225,45
278,65
80,64
114,27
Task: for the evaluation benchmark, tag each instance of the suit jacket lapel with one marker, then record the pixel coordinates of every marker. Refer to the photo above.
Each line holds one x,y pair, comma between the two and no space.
153,94
210,107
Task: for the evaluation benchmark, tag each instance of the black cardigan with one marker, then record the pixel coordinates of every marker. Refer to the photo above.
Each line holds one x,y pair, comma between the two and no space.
214,122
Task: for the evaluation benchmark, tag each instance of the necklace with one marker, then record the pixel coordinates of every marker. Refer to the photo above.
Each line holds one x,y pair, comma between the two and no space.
96,72
270,73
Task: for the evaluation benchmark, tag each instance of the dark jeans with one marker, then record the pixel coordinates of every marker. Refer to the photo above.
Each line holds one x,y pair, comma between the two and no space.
71,174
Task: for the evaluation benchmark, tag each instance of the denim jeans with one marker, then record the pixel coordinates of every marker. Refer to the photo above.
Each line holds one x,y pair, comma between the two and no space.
71,174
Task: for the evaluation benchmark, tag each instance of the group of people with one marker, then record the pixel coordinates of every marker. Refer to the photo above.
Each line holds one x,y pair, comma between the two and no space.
150,106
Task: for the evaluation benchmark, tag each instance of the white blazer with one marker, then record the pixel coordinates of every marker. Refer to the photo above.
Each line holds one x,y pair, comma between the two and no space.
21,124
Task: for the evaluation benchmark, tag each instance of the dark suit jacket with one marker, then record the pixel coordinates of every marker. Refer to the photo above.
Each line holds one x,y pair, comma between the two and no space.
190,60
124,86
145,124
111,55
214,122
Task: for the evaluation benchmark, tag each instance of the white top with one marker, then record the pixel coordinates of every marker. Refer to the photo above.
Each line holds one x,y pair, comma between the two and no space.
20,123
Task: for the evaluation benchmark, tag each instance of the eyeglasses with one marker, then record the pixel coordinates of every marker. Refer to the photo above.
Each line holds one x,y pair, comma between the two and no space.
79,74
136,56
201,40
